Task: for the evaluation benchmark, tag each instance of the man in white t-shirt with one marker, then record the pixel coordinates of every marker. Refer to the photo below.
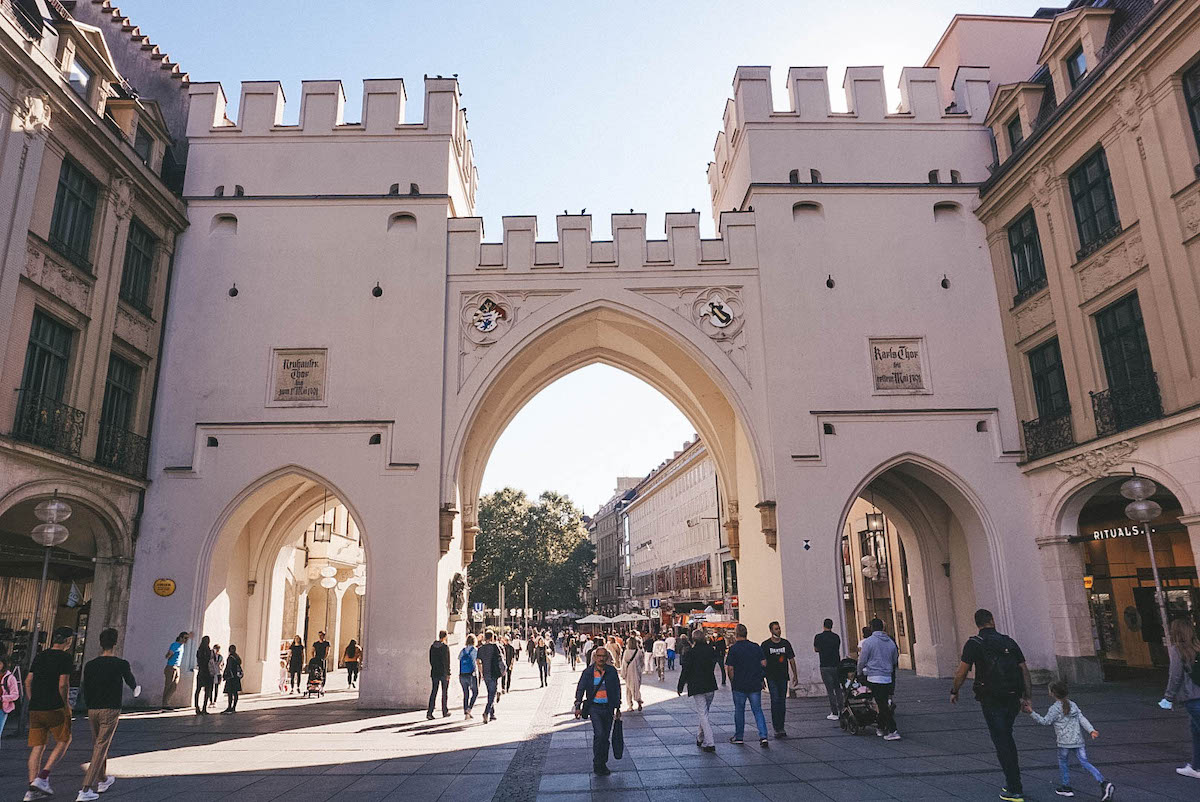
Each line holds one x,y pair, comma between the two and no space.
660,656
670,652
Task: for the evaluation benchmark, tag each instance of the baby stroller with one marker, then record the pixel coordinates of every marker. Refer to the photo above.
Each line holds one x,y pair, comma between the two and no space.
316,678
858,705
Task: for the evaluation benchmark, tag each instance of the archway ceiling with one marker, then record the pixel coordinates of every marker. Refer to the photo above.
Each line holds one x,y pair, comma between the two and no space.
617,339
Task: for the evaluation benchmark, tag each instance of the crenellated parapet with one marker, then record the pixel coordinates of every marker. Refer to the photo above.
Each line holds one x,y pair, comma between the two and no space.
574,250
810,143
379,153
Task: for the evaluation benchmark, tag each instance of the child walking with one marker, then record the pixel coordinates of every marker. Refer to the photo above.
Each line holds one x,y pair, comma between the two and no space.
1068,720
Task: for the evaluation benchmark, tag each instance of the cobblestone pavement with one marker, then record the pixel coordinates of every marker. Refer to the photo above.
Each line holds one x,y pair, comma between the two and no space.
277,748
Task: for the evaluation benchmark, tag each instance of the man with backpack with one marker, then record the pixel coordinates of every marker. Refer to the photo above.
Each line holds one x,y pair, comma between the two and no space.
1003,688
491,668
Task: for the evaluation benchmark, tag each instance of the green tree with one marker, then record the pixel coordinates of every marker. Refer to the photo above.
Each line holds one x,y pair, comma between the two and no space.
542,542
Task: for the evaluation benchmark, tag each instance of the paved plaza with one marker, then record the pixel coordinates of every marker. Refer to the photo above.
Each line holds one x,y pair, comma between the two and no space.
277,748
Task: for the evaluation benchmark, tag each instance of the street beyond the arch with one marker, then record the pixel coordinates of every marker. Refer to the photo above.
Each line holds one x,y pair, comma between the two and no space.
289,748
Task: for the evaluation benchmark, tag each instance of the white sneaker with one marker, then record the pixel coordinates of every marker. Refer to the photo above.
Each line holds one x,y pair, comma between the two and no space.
832,717
87,795
892,736
1188,771
42,785
105,784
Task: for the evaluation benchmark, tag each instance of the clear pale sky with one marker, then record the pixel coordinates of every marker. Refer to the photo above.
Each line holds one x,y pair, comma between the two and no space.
608,106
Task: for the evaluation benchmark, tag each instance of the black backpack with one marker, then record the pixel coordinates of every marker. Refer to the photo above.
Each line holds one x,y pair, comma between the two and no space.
998,675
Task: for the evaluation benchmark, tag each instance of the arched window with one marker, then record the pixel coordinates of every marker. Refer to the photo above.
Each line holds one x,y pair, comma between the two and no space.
933,177
223,224
807,211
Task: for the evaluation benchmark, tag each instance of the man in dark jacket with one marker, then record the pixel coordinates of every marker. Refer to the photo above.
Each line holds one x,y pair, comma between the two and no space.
439,673
697,673
599,689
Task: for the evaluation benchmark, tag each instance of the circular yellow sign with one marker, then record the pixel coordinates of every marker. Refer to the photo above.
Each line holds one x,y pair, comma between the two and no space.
164,587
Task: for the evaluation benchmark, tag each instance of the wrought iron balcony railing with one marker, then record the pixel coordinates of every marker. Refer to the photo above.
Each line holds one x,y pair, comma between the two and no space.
123,451
49,423
1119,408
1048,435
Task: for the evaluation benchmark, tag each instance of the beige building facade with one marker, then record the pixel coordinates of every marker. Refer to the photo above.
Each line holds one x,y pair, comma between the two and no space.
88,222
1092,214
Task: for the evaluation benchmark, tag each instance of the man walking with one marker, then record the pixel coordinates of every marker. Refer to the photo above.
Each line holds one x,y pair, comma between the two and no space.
598,697
510,659
697,674
878,658
439,674
102,678
1003,688
174,657
670,652
660,657
491,665
719,646
321,649
828,644
780,658
46,687
746,666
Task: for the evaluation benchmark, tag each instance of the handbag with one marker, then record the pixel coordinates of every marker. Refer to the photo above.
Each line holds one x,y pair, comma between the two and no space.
618,739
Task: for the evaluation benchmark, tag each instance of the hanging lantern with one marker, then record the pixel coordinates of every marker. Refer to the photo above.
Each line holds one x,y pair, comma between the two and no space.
52,510
1138,488
875,521
1143,510
50,534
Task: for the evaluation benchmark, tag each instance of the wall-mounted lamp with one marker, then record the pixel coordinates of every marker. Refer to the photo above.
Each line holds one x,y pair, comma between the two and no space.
233,291
829,281
377,291
945,282
875,521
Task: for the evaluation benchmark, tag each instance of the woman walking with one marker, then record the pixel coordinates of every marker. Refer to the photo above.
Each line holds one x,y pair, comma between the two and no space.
295,663
1182,685
10,690
204,678
352,659
233,679
632,661
468,675
216,665
542,653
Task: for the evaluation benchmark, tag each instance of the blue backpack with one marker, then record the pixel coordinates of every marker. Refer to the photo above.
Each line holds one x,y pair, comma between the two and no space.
466,660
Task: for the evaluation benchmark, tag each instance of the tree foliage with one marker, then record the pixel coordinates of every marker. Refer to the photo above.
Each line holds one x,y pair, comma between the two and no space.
543,542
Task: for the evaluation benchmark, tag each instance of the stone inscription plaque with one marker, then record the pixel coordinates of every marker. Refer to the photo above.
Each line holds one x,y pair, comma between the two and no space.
297,376
898,365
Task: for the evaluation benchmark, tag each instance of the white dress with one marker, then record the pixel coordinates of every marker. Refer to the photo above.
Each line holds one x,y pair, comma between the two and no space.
631,672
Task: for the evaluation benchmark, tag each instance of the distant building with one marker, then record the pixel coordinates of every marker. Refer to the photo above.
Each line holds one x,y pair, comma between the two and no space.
607,532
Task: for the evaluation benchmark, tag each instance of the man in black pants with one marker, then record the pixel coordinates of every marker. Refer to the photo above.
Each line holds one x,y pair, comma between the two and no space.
828,644
1003,688
439,673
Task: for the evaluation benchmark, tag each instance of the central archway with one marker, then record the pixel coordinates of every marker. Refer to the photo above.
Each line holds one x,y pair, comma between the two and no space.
686,367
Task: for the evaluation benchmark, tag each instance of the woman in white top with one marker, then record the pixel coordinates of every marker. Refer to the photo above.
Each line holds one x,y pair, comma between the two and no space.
631,670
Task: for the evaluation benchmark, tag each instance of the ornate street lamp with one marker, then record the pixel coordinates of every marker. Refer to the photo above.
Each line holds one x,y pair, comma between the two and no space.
1141,509
50,533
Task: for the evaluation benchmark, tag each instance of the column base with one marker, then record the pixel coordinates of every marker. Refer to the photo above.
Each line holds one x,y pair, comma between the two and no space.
1079,670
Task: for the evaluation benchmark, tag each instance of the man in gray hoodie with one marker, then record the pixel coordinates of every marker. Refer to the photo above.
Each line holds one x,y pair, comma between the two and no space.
878,658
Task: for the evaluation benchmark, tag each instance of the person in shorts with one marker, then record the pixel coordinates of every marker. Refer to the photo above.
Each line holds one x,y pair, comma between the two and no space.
47,686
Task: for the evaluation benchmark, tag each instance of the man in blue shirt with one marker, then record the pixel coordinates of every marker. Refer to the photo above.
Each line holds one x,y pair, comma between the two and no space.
174,657
598,697
746,666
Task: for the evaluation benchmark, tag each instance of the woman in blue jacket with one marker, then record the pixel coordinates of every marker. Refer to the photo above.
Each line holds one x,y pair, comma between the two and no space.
598,696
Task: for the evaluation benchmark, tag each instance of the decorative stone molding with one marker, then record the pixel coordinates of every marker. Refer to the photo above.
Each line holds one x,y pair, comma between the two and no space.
1098,462
33,111
770,529
1042,183
1033,316
716,311
731,530
62,281
120,195
135,330
1110,266
485,317
457,597
469,534
1127,101
446,518
1189,213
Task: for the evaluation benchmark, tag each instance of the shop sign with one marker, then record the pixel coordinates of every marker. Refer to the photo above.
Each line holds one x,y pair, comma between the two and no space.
298,377
656,613
898,365
1116,532
164,587
1088,581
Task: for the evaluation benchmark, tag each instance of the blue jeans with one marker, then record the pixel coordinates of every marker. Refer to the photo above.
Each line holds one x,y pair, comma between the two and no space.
778,691
490,708
1081,753
739,713
3,719
470,686
1193,708
602,724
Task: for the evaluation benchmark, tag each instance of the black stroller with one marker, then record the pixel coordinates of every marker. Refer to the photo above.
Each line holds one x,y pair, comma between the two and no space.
858,705
316,679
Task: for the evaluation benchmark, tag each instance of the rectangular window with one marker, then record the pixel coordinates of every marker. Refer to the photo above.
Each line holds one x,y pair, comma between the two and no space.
1191,94
139,266
46,358
1015,135
1049,381
1026,249
74,210
143,143
80,78
1123,344
120,390
1076,66
1094,203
